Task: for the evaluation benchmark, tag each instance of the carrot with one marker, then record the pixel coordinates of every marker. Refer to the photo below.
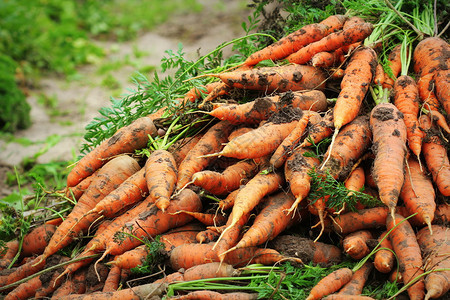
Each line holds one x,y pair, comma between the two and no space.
264,139
180,149
407,101
327,59
293,77
206,218
228,202
125,140
358,75
333,41
355,244
262,108
330,283
8,253
363,219
307,250
347,297
407,250
196,93
207,236
296,40
229,180
287,145
179,236
356,284
113,280
219,90
75,192
436,157
418,193
210,142
296,170
49,285
355,183
25,290
350,144
35,241
270,222
239,131
384,258
389,144
425,86
55,221
10,276
394,65
319,131
161,176
211,295
436,250
131,258
251,194
73,285
108,179
442,81
378,79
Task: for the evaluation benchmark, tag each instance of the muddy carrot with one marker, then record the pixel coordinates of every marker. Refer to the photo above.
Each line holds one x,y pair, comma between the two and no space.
355,244
384,259
363,219
356,284
330,283
319,131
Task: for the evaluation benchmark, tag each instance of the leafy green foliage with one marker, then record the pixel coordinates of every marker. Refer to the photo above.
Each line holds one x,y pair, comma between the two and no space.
155,256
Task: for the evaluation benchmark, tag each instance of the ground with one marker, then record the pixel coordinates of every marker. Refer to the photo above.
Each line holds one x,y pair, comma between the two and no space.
69,105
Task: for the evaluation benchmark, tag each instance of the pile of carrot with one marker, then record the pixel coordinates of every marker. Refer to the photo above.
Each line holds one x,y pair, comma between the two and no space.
257,158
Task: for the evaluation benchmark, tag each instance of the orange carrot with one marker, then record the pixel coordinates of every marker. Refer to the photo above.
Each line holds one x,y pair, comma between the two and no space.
319,131
435,249
406,99
296,40
363,219
131,258
180,149
73,285
333,41
389,144
35,241
327,59
25,290
436,156
212,295
161,176
229,180
356,284
125,140
378,79
330,283
355,183
418,193
207,236
113,280
296,170
210,142
196,93
8,253
293,77
75,192
350,144
287,145
178,236
228,202
395,66
13,275
442,81
355,244
407,250
347,297
384,258
108,179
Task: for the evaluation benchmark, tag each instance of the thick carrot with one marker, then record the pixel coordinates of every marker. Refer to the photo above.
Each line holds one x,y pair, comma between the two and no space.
355,244
206,218
229,180
113,280
436,249
354,86
330,283
356,284
395,66
333,41
389,144
270,222
296,170
442,81
296,40
131,258
349,145
125,140
287,145
25,290
161,176
35,241
320,130
384,258
407,250
406,99
210,142
418,193
307,250
212,295
108,179
436,156
207,236
363,219
293,77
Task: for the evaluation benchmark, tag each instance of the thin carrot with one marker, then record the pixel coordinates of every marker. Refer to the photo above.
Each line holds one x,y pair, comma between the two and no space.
35,241
355,244
319,131
384,258
356,284
113,280
394,65
207,236
73,285
347,297
296,170
108,179
212,295
436,251
418,193
125,140
8,253
389,144
296,40
442,81
436,157
25,290
205,218
161,176
13,275
378,79
330,283
210,142
327,59
407,250
331,42
196,92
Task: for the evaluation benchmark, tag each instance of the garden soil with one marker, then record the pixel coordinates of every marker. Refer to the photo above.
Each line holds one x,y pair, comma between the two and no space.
59,137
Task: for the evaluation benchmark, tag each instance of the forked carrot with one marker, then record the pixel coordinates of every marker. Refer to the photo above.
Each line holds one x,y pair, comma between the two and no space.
330,283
